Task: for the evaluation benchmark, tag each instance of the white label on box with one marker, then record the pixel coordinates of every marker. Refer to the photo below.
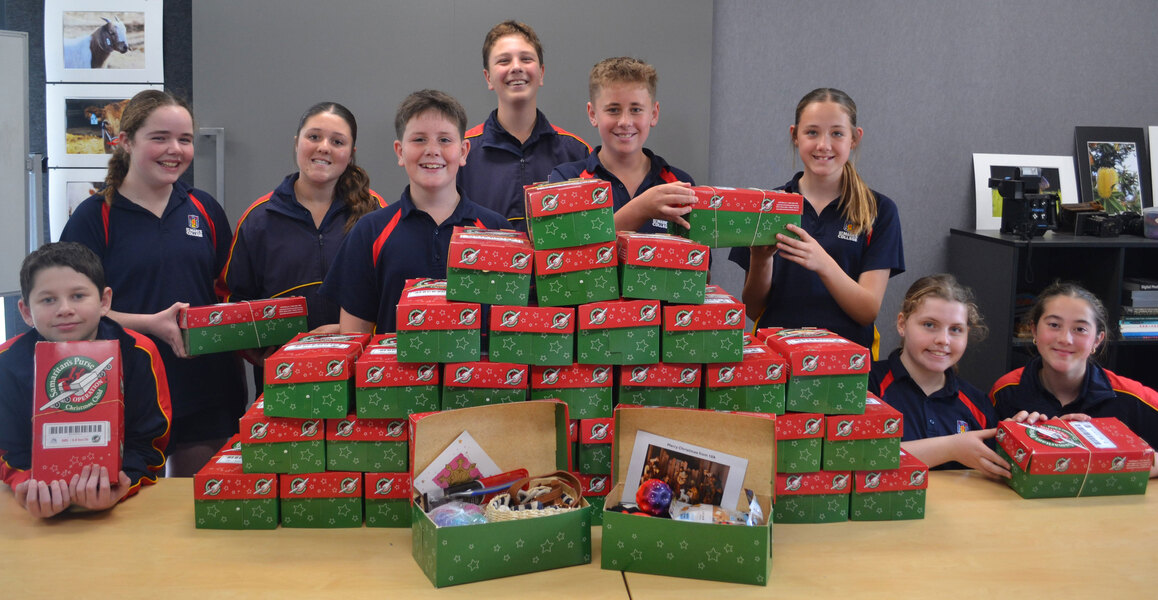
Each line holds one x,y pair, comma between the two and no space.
1092,434
229,459
422,293
86,434
316,346
796,341
871,401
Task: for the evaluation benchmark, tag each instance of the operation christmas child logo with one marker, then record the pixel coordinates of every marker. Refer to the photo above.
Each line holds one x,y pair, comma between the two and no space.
76,383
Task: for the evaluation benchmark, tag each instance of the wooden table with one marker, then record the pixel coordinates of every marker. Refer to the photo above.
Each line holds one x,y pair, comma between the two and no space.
977,539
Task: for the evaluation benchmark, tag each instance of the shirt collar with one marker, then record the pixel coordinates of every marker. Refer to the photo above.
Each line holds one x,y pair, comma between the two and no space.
897,368
595,167
494,133
465,211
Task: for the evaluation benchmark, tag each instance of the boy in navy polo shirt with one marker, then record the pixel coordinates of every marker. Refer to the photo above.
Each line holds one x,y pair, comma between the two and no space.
516,146
410,238
648,192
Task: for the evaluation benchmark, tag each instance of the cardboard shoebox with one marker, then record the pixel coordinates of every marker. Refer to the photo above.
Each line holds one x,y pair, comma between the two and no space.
799,442
827,373
576,275
569,213
890,494
820,497
661,384
483,382
463,554
226,497
386,499
489,266
595,489
861,442
755,384
281,444
328,500
588,390
728,217
78,411
659,266
312,376
536,335
618,332
595,437
240,325
642,544
385,388
711,332
434,329
1055,458
356,444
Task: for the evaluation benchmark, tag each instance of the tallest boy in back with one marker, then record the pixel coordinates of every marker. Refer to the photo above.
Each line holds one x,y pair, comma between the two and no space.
516,146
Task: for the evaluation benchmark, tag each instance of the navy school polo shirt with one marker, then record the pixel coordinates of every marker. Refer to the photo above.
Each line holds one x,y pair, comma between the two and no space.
391,245
956,408
498,165
659,174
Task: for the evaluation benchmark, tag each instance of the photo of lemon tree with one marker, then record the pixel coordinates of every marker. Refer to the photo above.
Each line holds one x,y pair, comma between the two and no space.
1114,176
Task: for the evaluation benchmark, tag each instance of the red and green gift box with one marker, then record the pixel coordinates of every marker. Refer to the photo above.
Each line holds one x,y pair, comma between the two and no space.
569,213
240,325
491,266
659,266
828,374
332,499
281,444
312,376
725,217
588,390
820,497
890,494
661,384
711,332
799,442
595,490
1056,458
482,382
755,384
575,275
595,437
226,497
618,332
861,442
536,335
387,499
356,444
385,388
433,329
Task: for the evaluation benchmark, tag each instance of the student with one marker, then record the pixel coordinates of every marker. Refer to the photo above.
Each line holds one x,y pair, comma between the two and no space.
833,272
517,145
63,297
947,420
162,244
410,238
1069,327
648,192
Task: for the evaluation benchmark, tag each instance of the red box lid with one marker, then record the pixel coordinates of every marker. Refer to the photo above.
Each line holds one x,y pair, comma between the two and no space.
504,250
330,484
811,484
378,366
485,374
911,475
575,258
799,426
354,429
1102,445
533,319
682,375
573,376
255,427
614,314
720,310
760,366
878,421
814,351
222,479
596,431
661,250
424,307
315,357
241,312
383,486
747,200
573,195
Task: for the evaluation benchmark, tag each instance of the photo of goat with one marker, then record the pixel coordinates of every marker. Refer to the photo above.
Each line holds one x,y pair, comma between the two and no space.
103,40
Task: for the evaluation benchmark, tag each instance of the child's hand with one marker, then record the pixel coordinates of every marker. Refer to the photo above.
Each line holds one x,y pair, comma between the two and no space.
326,329
761,254
92,490
972,452
43,499
806,251
1029,418
164,326
670,202
1075,417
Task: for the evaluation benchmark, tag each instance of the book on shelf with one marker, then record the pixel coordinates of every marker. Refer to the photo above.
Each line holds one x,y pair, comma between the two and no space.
1139,311
1139,283
1140,335
1140,299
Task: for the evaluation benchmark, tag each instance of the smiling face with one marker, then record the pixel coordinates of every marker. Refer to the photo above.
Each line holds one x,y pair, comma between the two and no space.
624,114
323,148
1066,334
513,70
162,148
825,137
431,150
65,305
934,336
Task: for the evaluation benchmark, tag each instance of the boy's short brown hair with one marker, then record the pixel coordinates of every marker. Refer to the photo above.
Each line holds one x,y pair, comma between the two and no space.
504,29
621,69
424,100
77,257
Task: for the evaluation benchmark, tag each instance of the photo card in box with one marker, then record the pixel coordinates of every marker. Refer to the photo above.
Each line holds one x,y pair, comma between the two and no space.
434,329
576,275
726,217
490,266
659,266
569,213
241,325
711,332
827,373
312,376
618,332
385,388
536,335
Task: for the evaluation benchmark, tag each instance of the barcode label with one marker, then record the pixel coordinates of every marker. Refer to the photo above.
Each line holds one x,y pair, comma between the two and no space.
1092,434
86,434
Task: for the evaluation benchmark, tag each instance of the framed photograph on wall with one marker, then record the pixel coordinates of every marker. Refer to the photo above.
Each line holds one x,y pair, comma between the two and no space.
1113,167
67,188
1057,175
83,121
103,41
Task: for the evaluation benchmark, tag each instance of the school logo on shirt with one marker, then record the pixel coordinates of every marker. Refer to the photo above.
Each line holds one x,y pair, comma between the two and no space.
847,234
962,426
193,226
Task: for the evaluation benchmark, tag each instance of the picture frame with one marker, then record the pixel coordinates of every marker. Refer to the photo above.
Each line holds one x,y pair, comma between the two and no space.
674,461
1119,156
129,51
67,188
80,134
1058,172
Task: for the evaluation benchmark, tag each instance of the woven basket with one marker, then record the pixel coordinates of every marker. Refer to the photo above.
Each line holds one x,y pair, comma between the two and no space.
552,488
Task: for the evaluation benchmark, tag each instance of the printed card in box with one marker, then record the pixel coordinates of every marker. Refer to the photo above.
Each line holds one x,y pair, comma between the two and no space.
483,382
281,444
570,276
240,325
618,332
861,442
755,384
1055,458
489,266
711,332
387,499
569,213
595,489
820,497
661,384
455,555
78,409
657,266
311,376
321,500
385,388
536,335
734,553
799,442
828,374
433,329
226,497
355,444
595,438
727,217
892,494
587,389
